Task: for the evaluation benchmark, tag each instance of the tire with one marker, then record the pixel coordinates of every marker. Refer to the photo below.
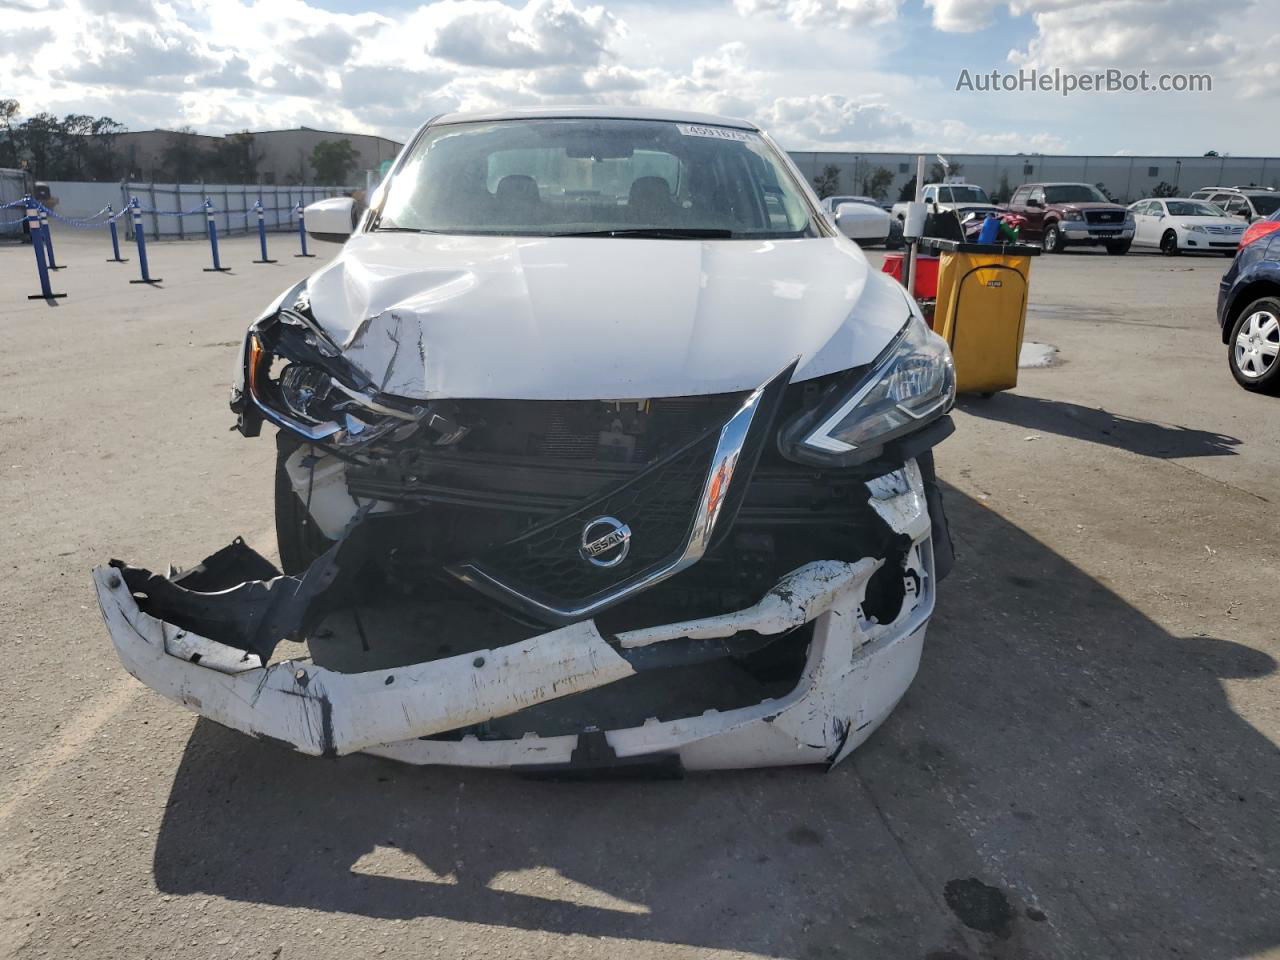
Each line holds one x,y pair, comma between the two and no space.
298,538
1253,349
1230,254
1052,240
1119,249
1169,244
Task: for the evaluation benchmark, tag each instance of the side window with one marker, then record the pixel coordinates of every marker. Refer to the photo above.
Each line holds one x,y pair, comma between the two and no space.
1141,209
1235,205
1037,194
1019,197
929,195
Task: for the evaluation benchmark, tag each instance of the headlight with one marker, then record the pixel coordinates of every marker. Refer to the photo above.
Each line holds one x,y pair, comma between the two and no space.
1073,215
912,383
1128,219
1194,228
311,401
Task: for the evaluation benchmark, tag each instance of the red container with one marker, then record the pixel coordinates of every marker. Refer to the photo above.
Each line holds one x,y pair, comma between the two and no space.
926,273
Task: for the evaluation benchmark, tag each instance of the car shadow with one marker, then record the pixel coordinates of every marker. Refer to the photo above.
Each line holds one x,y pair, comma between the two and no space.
1145,437
1065,778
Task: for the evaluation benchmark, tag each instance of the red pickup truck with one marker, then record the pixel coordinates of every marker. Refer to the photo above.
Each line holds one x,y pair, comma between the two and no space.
1061,215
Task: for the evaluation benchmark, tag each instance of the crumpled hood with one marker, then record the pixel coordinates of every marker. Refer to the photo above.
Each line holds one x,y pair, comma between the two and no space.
432,316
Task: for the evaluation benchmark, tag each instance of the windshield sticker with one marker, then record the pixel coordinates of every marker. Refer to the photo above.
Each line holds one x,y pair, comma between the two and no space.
715,133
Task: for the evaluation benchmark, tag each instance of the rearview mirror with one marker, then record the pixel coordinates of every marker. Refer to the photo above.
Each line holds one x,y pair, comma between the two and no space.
333,219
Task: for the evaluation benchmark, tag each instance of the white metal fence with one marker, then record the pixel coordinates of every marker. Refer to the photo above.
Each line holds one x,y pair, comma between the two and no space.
177,209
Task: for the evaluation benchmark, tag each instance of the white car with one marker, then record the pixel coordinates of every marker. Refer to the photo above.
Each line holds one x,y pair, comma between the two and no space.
597,446
860,218
1174,224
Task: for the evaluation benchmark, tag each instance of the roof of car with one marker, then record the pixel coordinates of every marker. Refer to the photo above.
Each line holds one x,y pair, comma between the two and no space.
1236,190
600,112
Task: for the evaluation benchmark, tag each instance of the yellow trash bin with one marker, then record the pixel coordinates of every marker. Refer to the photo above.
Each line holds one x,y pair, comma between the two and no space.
981,310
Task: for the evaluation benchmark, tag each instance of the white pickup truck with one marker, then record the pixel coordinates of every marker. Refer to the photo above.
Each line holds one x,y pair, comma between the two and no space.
960,197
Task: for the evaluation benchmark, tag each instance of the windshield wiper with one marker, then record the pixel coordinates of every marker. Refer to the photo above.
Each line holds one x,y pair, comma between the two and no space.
656,233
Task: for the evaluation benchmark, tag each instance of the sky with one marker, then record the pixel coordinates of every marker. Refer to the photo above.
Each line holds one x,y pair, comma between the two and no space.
817,74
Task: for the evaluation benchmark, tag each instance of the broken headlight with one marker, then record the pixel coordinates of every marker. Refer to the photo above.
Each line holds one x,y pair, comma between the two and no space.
911,384
304,389
291,383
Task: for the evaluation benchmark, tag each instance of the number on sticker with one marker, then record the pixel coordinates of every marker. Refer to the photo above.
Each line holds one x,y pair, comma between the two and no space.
716,133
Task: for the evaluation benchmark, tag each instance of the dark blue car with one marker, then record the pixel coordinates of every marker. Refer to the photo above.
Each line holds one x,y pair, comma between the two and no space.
1249,308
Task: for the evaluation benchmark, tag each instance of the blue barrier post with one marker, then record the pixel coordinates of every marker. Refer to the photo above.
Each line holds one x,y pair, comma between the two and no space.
302,233
213,239
140,235
115,238
48,239
262,230
38,245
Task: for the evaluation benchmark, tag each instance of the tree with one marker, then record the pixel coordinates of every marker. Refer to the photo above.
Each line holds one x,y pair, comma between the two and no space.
334,161
939,173
8,113
234,158
182,156
101,162
1004,191
1211,153
876,184
1163,189
1107,193
41,141
908,191
827,183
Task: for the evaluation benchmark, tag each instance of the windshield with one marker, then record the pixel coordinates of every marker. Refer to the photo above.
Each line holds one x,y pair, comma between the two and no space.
962,195
1193,208
595,177
1074,193
1265,203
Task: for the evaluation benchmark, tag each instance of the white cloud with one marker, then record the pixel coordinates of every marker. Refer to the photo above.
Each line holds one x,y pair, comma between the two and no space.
488,33
820,74
822,13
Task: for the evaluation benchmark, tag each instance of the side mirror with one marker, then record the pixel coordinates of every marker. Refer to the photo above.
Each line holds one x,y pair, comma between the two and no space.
1033,202
1243,212
333,219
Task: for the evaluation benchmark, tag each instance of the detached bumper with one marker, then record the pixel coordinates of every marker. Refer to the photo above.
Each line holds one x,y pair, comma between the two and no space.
856,671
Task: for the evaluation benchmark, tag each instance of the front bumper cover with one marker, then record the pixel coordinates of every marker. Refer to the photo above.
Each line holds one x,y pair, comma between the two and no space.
855,672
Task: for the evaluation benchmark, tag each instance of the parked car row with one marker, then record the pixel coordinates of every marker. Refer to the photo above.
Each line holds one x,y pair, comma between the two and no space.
1061,215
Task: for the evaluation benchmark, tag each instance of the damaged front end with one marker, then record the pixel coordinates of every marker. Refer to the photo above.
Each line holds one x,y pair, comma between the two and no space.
710,581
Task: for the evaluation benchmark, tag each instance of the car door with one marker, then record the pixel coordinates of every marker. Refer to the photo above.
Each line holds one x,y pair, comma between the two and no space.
1140,211
1153,223
1034,212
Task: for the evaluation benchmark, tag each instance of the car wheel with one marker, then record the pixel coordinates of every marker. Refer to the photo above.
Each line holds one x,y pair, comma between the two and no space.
297,536
1052,241
1169,244
1118,249
1253,348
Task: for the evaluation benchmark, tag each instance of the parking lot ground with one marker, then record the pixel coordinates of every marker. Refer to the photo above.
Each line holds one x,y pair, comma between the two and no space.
1086,766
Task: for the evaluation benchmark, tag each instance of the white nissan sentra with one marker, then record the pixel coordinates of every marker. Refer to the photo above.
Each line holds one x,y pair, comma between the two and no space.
598,446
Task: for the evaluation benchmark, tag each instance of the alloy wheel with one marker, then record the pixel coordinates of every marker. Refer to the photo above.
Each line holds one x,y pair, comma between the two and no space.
1257,344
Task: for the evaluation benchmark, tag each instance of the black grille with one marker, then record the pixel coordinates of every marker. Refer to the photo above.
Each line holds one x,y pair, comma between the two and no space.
543,572
658,505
